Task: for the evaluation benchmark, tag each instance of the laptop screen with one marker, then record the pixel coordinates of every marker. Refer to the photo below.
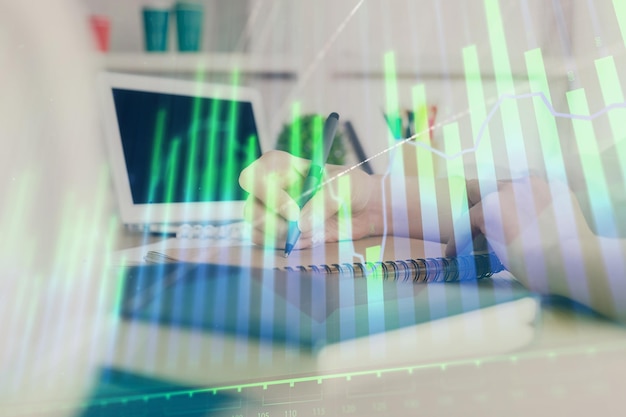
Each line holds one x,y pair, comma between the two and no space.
181,149
177,147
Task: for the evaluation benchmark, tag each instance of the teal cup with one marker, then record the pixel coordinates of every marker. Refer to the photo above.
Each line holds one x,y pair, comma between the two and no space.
189,26
156,22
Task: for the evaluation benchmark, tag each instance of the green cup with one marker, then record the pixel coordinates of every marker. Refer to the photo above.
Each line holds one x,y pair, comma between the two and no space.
189,26
156,23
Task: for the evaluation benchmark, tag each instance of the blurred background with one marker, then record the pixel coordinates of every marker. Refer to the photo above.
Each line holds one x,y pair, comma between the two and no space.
361,57
489,72
501,85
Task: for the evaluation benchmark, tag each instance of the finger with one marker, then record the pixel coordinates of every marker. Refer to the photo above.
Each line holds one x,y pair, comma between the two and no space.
466,228
273,236
500,213
250,211
272,179
259,237
479,189
473,192
277,239
341,196
287,166
304,242
255,212
315,212
271,192
268,227
259,215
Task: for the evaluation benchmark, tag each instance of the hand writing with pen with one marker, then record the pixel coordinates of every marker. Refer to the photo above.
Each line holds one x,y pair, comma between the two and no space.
537,228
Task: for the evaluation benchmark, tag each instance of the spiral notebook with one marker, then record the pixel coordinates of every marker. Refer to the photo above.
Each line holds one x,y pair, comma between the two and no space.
388,257
307,323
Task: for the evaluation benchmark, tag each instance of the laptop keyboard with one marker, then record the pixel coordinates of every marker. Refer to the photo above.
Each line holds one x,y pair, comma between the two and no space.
240,231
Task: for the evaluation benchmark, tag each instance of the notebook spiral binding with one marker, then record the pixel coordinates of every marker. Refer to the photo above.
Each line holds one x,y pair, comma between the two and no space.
459,268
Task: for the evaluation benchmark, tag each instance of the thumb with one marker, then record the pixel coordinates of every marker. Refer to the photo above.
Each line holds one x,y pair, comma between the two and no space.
466,227
315,212
337,194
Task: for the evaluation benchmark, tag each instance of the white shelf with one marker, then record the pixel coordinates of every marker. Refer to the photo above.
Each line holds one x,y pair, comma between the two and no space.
173,62
430,67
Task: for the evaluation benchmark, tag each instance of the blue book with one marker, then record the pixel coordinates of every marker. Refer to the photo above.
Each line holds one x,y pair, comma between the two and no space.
333,316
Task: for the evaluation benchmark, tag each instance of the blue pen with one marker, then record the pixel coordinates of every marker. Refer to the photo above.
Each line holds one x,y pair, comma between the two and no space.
313,178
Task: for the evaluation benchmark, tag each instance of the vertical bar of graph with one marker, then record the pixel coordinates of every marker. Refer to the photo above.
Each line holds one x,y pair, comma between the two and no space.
452,148
613,94
69,246
456,182
602,212
171,169
375,298
210,170
251,147
155,162
347,324
425,169
66,265
476,98
99,216
460,209
317,148
191,169
391,89
347,327
317,135
23,192
485,162
508,108
551,150
271,225
396,169
552,153
65,241
345,211
295,138
620,14
425,158
267,300
231,141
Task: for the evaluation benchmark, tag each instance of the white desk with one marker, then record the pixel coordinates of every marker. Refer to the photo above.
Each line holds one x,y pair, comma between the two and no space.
574,367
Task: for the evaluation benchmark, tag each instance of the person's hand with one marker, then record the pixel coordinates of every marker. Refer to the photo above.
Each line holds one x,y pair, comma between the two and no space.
527,222
338,211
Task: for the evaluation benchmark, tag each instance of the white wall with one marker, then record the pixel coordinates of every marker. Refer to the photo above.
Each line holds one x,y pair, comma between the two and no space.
427,39
339,48
596,35
223,22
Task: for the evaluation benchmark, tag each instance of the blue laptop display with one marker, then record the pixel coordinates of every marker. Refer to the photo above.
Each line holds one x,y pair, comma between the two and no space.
177,147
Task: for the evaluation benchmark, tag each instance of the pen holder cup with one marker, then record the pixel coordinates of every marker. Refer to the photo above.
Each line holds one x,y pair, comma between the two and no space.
189,26
156,25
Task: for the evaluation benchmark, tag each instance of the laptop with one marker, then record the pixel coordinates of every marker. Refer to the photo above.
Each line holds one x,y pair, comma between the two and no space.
177,148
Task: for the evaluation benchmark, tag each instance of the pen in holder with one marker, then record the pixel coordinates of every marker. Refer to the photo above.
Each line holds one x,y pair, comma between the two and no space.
406,124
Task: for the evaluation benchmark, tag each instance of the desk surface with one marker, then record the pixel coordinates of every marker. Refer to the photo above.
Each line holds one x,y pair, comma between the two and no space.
575,366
